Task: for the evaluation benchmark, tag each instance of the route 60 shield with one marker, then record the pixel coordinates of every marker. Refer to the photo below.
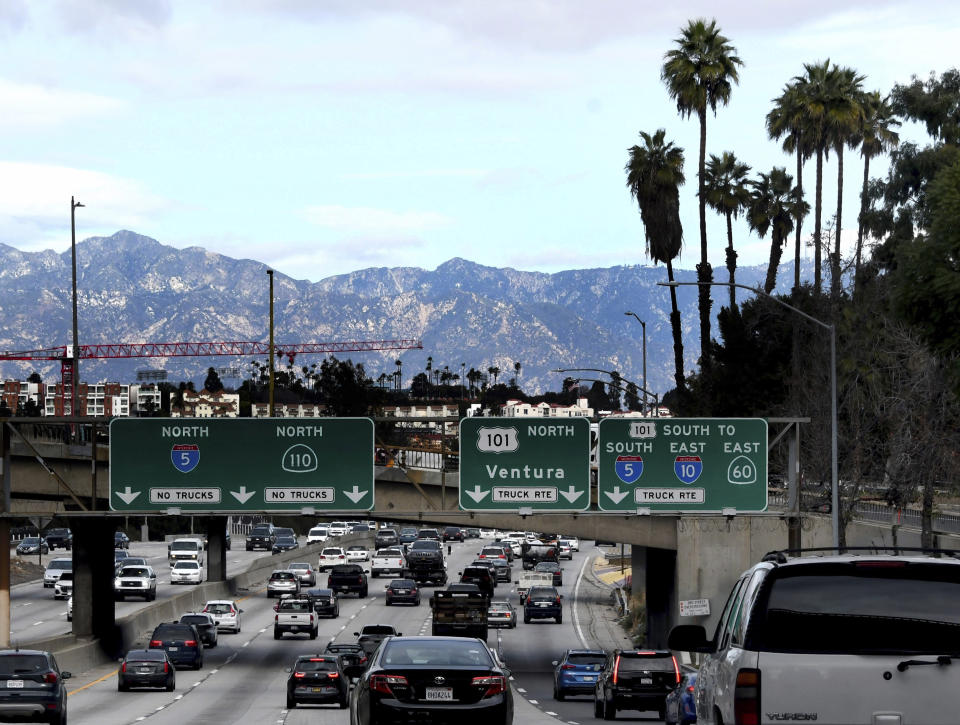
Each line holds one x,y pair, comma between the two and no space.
688,468
628,468
185,456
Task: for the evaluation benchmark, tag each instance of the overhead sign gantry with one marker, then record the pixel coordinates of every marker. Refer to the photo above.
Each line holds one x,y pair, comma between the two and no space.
241,464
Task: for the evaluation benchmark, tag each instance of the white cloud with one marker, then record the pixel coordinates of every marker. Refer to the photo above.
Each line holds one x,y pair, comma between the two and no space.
367,220
35,201
29,105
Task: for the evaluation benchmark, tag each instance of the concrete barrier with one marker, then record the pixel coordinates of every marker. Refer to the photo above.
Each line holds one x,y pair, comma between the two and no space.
77,654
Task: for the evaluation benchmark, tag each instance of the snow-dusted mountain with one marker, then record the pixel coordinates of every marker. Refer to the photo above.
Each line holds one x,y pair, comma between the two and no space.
134,289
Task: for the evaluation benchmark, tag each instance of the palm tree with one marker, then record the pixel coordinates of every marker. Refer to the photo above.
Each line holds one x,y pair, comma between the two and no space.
399,374
516,368
700,73
772,208
494,373
728,194
844,124
654,176
787,120
877,137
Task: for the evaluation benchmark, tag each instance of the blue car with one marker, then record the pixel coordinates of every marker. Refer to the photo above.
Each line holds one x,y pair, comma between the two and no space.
681,706
576,672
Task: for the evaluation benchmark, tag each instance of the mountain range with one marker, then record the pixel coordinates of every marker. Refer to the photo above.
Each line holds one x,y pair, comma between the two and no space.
132,288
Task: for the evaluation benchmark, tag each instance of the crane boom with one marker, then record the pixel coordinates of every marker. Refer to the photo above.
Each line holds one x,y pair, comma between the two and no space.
200,349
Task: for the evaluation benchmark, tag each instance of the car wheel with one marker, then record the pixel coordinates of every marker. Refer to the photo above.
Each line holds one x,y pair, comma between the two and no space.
276,633
363,594
200,664
171,684
558,694
121,687
609,711
598,708
314,633
344,702
559,619
526,619
291,703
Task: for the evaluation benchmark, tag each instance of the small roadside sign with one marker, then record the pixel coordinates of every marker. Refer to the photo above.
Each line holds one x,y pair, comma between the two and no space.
694,607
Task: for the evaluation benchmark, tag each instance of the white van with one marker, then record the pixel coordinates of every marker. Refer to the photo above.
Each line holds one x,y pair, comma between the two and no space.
185,550
338,528
317,535
852,638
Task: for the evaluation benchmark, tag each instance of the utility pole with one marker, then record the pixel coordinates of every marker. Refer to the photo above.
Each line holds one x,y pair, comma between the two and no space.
75,377
270,381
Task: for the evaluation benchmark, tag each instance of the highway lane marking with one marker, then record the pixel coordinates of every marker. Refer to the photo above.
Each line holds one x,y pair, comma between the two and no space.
576,616
91,684
519,689
534,702
549,712
36,623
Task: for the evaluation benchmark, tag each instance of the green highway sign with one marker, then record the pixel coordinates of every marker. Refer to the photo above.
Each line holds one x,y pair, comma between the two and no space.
202,465
508,464
682,464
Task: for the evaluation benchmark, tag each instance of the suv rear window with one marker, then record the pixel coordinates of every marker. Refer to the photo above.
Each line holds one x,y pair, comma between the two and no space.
586,659
632,662
173,631
277,575
317,664
346,569
11,664
542,593
858,607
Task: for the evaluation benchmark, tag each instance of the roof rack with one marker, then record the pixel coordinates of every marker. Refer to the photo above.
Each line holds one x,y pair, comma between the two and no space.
781,556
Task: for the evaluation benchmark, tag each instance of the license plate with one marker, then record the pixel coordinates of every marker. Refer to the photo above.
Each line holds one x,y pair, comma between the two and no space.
646,680
402,591
294,628
542,604
439,694
15,684
144,670
172,649
589,678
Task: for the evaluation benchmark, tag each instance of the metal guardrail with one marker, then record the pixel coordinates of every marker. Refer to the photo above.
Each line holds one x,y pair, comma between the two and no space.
874,511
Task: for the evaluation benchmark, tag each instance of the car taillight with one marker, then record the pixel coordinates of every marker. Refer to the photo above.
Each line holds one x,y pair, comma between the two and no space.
690,688
190,643
746,698
676,669
616,669
50,678
568,667
123,667
389,590
333,675
495,684
155,643
299,674
276,617
166,666
383,683
558,600
311,618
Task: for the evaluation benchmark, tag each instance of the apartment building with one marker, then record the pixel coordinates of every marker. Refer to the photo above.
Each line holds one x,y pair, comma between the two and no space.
207,405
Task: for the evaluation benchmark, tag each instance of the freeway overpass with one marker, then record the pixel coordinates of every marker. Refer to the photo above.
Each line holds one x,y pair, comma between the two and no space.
674,558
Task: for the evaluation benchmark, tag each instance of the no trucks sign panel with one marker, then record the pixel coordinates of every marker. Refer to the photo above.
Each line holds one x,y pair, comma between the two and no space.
202,465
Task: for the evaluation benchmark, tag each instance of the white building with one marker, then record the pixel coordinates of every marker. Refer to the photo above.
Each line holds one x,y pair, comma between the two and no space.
207,405
287,410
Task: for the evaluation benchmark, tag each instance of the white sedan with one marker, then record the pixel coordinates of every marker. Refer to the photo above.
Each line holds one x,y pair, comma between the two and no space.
225,613
357,554
317,535
186,572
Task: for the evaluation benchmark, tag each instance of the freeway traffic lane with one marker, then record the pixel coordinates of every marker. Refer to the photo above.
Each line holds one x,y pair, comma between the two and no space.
35,614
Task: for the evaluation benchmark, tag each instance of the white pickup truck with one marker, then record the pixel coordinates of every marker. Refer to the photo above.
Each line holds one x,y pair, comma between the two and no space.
532,579
295,616
387,561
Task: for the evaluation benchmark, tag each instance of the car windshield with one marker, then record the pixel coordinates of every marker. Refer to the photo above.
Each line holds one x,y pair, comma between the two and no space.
260,531
546,566
294,605
60,564
134,571
299,566
840,608
145,655
282,575
408,532
31,541
377,629
317,532
344,648
184,546
331,552
500,606
286,540
357,548
427,544
401,583
389,552
219,608
186,565
436,654
15,664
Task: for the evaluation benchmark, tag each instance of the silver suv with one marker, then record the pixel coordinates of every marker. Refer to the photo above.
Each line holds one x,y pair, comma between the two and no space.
821,636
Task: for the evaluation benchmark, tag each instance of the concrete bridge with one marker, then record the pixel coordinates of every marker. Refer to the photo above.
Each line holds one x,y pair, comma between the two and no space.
673,558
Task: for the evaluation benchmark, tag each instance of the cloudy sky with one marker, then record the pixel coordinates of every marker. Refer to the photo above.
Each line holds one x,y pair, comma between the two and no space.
324,136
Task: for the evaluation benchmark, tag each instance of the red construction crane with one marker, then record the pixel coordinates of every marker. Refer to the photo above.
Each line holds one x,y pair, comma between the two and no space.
63,353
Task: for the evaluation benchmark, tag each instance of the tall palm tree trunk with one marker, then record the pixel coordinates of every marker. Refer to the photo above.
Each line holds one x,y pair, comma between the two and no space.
863,213
731,261
776,251
677,335
704,271
796,251
818,208
835,257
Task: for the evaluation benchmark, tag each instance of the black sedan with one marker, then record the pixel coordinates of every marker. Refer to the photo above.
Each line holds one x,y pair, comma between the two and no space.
32,545
403,591
433,679
285,543
146,668
325,602
351,655
316,680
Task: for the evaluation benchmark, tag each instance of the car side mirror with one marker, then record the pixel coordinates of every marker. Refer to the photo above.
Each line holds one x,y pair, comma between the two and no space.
689,638
240,611
153,576
66,675
399,634
356,634
561,596
555,663
288,669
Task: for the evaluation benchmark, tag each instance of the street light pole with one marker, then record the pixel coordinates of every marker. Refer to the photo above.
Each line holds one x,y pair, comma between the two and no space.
74,399
835,484
656,396
270,381
644,326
